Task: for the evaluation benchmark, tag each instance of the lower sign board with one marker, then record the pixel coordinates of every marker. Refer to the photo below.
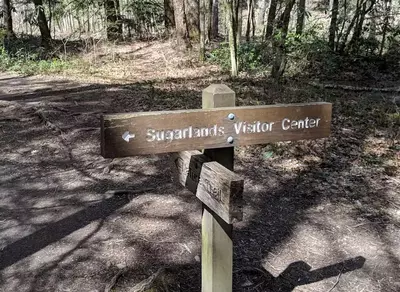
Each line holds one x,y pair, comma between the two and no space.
172,131
216,186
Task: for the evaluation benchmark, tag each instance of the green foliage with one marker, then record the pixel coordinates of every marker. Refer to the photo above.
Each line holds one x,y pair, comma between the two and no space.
253,56
220,56
309,52
24,57
144,15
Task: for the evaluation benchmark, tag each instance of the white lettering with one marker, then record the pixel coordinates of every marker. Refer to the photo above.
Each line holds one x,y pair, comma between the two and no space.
237,127
204,132
221,131
150,135
178,134
169,135
284,127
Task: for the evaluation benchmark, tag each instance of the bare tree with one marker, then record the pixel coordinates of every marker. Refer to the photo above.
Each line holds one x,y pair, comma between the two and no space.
301,13
261,14
388,8
169,19
42,23
215,18
232,11
114,25
192,18
271,19
181,30
203,30
333,25
250,19
8,19
279,63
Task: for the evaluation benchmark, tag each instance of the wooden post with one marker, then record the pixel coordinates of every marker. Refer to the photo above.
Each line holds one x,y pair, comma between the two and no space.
216,243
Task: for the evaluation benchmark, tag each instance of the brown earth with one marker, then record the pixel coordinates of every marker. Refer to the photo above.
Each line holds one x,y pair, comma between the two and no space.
319,215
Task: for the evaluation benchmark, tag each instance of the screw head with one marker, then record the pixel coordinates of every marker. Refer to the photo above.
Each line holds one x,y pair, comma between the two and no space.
231,116
229,140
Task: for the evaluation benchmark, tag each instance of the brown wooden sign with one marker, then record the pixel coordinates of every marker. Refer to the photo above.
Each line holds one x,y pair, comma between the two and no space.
172,131
215,185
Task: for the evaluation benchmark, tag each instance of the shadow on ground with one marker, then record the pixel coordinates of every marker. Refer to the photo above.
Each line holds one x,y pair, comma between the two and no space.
318,214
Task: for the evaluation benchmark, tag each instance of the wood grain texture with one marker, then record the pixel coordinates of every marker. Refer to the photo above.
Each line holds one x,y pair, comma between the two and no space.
215,185
114,126
188,165
216,96
216,254
217,245
221,190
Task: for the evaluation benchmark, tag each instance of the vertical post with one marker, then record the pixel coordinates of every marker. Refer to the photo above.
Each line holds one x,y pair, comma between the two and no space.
216,245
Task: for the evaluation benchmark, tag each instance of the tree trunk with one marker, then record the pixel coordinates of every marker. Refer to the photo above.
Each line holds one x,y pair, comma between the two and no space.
203,29
232,11
215,18
261,15
114,28
333,24
301,13
118,16
271,19
279,63
249,21
239,20
169,19
42,23
355,39
8,19
208,20
388,8
192,18
181,31
340,33
350,27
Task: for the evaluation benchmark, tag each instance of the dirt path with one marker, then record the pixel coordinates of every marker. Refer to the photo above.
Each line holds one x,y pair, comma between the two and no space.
319,215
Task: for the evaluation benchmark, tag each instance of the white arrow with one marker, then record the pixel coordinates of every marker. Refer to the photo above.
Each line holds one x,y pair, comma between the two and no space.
126,136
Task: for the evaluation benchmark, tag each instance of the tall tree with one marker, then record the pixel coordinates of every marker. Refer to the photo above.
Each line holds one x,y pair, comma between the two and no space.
250,19
271,19
215,18
232,11
42,23
387,12
8,19
239,20
192,18
261,15
203,30
169,18
208,20
358,29
301,12
279,63
181,30
334,4
114,24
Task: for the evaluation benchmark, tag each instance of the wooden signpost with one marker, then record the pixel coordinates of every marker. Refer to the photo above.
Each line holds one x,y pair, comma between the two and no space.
217,128
173,131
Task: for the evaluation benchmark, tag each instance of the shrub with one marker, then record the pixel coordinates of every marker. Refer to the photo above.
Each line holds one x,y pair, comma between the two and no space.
26,57
253,56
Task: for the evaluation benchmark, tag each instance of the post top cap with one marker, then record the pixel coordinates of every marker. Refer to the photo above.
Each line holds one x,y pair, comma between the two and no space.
218,88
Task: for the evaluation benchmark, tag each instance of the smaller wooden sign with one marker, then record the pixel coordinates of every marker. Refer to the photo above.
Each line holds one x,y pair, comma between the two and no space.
221,190
188,165
216,186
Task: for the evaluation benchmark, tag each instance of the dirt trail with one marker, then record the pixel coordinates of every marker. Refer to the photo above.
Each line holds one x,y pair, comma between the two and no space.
319,215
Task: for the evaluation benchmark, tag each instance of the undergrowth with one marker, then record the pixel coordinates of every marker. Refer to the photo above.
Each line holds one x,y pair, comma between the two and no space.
25,56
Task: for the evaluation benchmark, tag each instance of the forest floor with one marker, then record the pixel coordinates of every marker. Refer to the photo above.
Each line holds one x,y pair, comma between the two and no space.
320,215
